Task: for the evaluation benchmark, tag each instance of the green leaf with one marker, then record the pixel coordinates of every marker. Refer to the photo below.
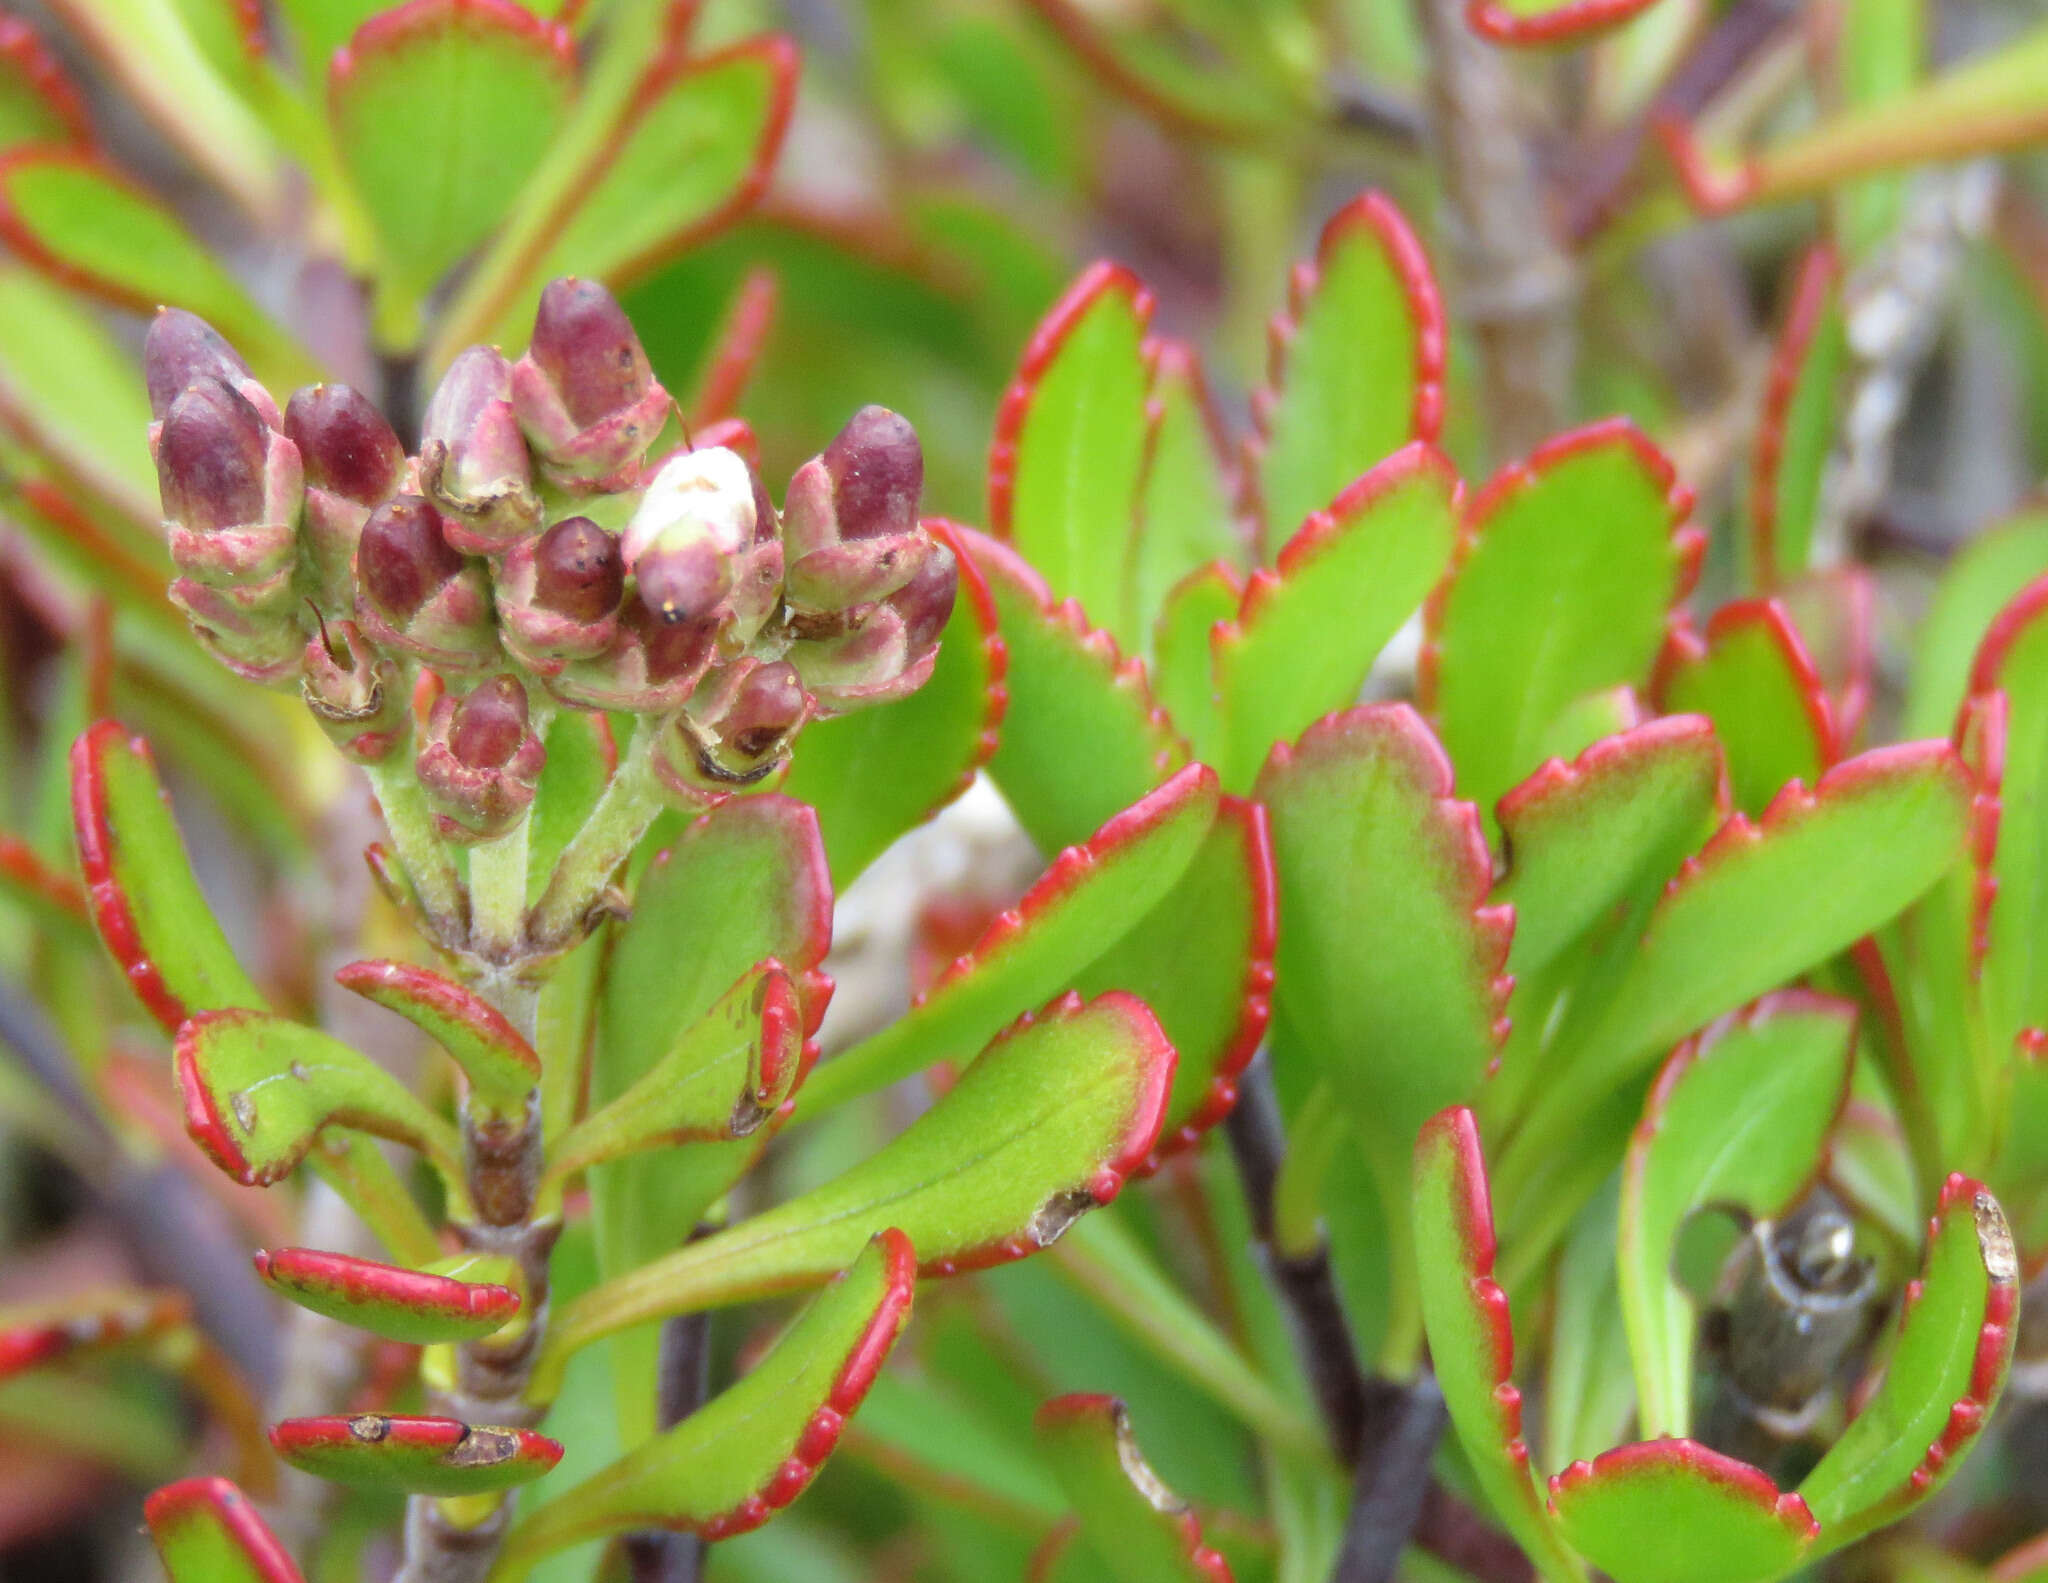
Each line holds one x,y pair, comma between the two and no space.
1589,1389
1044,1125
1797,430
1182,669
1548,22
33,1334
206,1531
501,1066
69,391
1390,966
688,152
1609,827
1671,1511
1308,631
737,1461
1069,449
441,109
414,1456
582,758
1357,364
416,1306
1471,1342
1091,897
39,103
1739,1115
147,906
1986,575
258,1089
877,773
1941,1381
1561,587
728,1072
78,222
1183,519
1073,700
1753,677
1202,959
1137,1527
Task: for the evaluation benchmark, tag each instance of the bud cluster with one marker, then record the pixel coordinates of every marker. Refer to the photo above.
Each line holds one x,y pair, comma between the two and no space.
556,540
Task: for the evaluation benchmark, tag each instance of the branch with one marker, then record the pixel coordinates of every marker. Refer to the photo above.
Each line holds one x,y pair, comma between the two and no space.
1391,1486
682,1381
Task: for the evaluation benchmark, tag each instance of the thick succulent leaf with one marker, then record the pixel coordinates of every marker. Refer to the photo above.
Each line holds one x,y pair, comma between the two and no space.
1356,366
1609,827
414,1456
39,103
1471,1343
206,1531
148,907
501,1066
415,1306
1183,671
37,1333
1045,1124
1753,677
1941,1381
1763,902
441,109
1202,959
1138,1528
1073,700
1589,1388
1091,897
689,153
258,1088
1070,441
1548,22
1985,576
1560,587
1671,1511
71,217
1184,518
1739,1115
737,1461
1797,429
1390,966
876,773
726,1074
1308,631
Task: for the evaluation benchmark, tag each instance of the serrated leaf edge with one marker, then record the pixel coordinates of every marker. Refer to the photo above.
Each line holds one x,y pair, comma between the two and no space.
1150,1488
1685,648
1746,1482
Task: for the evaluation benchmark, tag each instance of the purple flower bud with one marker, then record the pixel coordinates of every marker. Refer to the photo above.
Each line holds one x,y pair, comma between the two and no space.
926,601
652,666
850,518
353,462
877,470
354,692
684,580
210,458
890,650
579,570
481,762
474,464
181,349
584,391
417,594
734,734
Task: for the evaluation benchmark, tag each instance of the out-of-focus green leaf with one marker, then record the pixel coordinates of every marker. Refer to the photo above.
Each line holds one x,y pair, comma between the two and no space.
148,907
33,1334
415,1456
1091,897
1738,1116
1308,631
1941,1380
876,773
416,1306
1069,449
1137,1527
1797,430
738,1460
441,110
206,1531
1182,669
39,103
1985,575
1589,1392
1880,54
1574,558
1358,363
1183,519
1671,1511
1548,22
582,756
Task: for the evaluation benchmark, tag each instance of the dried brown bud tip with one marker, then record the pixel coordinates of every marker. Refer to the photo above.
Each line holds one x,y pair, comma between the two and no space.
579,571
584,343
210,458
347,447
877,469
403,557
181,349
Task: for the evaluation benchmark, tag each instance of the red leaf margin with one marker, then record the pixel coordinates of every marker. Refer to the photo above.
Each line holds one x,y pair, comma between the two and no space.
995,653
1685,648
386,32
1079,1405
226,1504
421,995
107,1321
1819,277
296,1438
1746,1483
1567,22
288,1270
1373,212
1554,776
1098,280
736,348
23,47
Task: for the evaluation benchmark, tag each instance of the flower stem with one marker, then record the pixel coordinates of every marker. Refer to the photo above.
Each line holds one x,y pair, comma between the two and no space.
497,892
428,863
629,804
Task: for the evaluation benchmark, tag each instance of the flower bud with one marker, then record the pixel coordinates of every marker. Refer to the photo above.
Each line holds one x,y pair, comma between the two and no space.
180,349
353,463
265,645
651,667
850,520
481,762
416,593
354,692
889,651
735,733
584,392
703,547
231,491
559,595
474,464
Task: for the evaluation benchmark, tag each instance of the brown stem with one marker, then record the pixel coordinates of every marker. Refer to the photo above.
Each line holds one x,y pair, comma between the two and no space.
682,1380
1387,1494
1515,284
